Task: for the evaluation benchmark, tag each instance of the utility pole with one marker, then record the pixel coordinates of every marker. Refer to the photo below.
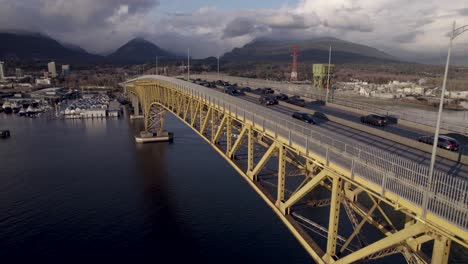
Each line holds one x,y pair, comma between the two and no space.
188,64
157,69
218,67
328,77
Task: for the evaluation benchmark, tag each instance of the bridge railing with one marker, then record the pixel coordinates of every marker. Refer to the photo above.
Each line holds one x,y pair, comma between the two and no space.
447,195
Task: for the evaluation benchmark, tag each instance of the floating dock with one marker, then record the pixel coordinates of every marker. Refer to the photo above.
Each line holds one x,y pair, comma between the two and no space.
147,137
136,117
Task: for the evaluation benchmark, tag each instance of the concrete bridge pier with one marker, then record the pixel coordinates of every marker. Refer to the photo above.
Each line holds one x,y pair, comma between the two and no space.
154,126
137,114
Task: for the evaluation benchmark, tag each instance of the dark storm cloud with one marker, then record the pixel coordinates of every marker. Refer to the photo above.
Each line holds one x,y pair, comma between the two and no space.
68,15
242,26
408,37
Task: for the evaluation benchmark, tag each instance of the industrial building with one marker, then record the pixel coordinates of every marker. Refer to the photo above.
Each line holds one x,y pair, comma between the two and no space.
320,73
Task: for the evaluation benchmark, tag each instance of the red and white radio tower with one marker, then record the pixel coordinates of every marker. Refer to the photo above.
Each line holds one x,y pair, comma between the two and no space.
294,64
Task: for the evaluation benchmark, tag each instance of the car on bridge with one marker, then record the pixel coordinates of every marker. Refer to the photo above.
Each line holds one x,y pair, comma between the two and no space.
245,89
268,100
232,90
304,117
444,142
296,101
282,97
235,92
373,119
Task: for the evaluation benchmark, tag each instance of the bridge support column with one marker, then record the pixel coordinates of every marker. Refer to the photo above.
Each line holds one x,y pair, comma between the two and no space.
334,218
250,150
136,107
281,175
154,126
441,250
228,134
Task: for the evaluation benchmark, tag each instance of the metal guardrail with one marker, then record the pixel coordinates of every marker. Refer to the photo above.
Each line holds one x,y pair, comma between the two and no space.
299,90
447,197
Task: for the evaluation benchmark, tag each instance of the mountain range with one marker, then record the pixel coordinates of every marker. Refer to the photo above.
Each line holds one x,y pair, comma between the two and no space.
38,47
309,51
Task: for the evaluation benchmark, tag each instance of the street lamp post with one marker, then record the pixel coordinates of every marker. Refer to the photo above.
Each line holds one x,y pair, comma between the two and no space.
188,64
455,33
218,67
157,69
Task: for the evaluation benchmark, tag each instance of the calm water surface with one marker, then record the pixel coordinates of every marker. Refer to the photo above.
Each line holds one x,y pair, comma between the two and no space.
83,191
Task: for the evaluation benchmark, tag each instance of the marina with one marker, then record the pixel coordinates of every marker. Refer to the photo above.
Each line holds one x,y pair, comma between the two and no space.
91,106
25,107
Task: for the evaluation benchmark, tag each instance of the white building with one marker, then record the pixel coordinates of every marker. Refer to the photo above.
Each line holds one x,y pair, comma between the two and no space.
2,71
43,81
457,94
52,69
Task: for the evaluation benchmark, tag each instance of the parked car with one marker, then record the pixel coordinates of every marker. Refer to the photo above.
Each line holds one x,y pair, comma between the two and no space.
268,100
444,142
282,97
376,120
304,117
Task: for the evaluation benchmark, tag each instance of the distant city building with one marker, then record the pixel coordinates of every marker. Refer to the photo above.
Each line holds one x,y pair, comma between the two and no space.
65,69
52,69
19,73
2,71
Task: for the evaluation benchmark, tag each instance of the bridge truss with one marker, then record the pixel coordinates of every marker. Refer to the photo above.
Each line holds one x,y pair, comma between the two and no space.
366,221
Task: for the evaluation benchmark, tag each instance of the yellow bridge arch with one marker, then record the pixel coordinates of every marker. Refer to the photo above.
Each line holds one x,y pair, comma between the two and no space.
372,188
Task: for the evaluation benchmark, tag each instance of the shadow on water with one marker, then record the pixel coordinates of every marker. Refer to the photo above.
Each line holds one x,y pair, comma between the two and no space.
165,237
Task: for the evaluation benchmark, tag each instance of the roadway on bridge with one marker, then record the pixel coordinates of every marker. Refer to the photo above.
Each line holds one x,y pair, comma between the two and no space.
353,136
397,129
358,137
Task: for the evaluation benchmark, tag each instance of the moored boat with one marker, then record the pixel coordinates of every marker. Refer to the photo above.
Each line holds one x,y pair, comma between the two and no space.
7,108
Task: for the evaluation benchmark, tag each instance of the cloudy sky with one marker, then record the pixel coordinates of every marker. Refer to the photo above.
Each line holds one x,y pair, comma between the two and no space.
410,29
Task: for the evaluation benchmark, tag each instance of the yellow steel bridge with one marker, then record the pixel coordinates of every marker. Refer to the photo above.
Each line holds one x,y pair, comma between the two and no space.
389,207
